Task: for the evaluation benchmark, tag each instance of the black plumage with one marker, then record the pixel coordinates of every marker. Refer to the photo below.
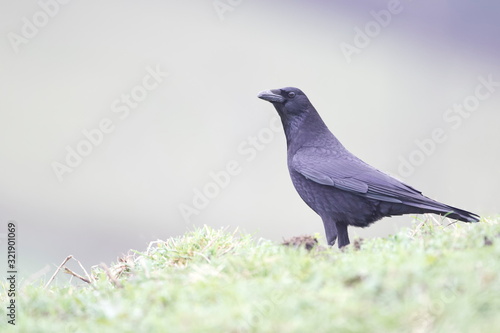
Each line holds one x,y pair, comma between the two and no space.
337,185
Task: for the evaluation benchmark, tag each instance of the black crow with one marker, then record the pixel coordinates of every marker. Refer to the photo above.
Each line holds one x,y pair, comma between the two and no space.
337,185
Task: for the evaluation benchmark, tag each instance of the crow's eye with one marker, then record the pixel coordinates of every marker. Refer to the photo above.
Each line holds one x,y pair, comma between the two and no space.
291,94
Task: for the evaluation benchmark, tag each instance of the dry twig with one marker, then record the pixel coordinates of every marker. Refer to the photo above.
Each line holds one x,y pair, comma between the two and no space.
58,269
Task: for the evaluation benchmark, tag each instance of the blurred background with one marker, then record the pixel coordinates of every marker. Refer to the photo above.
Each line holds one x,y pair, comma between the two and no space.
157,100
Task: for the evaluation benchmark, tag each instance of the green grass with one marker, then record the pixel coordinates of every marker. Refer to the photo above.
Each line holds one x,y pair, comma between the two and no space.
429,278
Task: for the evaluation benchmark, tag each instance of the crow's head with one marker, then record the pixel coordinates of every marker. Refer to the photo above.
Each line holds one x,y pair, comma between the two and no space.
293,108
289,102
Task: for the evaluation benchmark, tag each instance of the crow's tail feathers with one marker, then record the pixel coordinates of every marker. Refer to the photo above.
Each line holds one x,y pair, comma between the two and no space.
431,206
460,214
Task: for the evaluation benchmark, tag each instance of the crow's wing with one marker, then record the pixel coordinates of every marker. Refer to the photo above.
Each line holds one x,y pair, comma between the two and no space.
346,172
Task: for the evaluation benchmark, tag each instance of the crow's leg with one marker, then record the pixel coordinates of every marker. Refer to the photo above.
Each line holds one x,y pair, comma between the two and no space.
330,230
343,235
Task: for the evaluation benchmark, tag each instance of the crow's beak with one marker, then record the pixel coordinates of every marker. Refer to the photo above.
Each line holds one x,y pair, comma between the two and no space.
272,96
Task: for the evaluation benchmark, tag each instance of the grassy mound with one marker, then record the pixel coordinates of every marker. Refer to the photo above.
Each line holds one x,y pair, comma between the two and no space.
430,278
